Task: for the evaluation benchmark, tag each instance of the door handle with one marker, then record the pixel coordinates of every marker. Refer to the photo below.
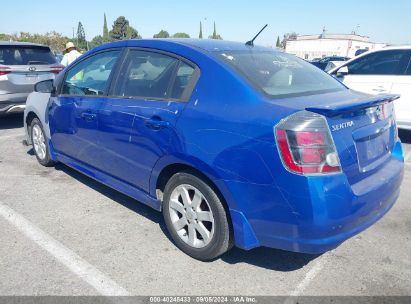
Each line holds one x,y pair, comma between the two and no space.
87,116
156,123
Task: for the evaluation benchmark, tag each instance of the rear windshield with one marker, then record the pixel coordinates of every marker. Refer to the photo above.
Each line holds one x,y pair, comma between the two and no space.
280,75
26,55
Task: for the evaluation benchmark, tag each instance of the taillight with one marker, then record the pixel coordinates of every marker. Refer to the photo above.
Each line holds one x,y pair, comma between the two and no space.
4,70
305,144
56,69
389,112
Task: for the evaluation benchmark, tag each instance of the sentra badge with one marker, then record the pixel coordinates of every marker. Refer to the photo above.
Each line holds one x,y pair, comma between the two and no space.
341,126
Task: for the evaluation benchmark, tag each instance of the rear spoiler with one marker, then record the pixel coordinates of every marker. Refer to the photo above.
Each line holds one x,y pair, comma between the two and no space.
337,108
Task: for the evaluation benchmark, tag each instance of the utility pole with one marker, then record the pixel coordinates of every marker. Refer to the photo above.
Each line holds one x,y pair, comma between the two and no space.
205,26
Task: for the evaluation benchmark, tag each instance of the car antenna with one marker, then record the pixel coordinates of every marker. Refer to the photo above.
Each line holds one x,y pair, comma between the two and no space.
251,42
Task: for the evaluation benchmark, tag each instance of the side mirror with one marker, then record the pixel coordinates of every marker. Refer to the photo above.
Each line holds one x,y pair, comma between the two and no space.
45,86
343,71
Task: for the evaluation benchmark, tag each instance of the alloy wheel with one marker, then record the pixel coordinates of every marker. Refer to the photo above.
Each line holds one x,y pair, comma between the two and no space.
191,216
39,142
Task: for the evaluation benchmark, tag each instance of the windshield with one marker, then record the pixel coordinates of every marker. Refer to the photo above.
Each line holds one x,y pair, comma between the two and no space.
279,74
325,60
26,55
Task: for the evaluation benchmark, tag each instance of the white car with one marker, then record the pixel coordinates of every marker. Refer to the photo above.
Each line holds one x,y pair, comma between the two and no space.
384,71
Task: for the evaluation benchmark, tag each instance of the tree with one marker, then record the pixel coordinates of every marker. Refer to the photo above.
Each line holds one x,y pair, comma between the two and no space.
54,40
81,37
106,37
215,35
201,31
96,41
122,30
288,36
162,34
278,43
132,33
181,35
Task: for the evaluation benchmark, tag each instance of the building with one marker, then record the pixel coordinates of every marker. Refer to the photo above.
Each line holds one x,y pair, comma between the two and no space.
318,46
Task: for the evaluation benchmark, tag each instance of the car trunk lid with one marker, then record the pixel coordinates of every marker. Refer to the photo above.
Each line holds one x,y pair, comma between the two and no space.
364,132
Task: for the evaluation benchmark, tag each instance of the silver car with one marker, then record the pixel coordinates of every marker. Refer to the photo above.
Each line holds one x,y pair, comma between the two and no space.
22,65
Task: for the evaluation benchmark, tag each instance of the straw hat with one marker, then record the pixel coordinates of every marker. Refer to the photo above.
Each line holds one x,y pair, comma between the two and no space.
70,45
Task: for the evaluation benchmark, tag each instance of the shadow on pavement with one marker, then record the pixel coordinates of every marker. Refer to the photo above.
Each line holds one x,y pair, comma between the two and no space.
405,136
112,194
12,121
273,259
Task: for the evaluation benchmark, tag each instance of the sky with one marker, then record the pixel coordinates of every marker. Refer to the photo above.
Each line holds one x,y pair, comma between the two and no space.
237,20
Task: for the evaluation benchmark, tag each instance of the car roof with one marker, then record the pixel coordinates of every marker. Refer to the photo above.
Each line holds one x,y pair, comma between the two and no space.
396,47
18,43
202,45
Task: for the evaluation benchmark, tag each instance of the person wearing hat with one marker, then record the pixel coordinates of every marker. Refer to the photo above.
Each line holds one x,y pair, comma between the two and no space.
70,54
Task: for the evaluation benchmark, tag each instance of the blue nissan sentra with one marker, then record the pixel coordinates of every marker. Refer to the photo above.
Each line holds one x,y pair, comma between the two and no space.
235,144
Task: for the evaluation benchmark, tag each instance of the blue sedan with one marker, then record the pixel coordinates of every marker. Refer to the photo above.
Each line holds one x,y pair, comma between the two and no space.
235,144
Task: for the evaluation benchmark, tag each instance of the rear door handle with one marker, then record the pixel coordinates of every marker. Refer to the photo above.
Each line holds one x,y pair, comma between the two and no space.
156,123
87,116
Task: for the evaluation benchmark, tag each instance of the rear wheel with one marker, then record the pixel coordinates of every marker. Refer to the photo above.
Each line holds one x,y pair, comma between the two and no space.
195,217
40,144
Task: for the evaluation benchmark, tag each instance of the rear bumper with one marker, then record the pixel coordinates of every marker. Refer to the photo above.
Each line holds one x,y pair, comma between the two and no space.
314,214
12,103
12,108
13,98
318,237
404,124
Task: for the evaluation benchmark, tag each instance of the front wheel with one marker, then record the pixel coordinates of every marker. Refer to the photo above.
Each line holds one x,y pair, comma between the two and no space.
40,144
195,217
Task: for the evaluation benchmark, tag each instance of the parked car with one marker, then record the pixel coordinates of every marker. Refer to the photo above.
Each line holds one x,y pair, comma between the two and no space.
322,63
333,64
360,51
21,66
235,144
59,57
384,71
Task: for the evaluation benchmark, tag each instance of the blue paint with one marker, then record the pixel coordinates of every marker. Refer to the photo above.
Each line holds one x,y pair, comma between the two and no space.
225,131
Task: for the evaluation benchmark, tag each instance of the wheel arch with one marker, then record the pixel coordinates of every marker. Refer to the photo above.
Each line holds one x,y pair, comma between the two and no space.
243,233
28,119
164,172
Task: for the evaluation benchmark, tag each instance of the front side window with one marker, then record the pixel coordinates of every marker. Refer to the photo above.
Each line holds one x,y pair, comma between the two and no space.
152,75
379,63
90,76
280,74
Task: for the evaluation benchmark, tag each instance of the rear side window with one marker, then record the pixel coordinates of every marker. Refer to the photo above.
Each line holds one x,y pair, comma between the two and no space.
26,55
390,62
152,75
278,74
91,75
183,78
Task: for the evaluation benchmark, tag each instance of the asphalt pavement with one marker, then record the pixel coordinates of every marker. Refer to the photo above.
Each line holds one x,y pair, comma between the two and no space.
62,233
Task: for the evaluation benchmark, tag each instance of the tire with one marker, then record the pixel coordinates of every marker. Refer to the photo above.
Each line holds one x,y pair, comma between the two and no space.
40,144
195,217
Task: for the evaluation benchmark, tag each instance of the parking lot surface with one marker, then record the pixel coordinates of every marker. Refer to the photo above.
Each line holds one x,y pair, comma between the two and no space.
64,234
